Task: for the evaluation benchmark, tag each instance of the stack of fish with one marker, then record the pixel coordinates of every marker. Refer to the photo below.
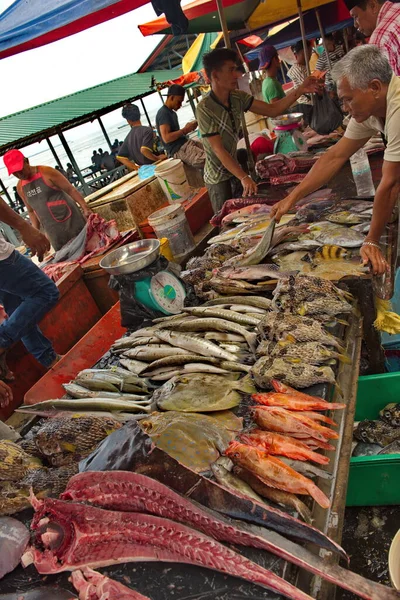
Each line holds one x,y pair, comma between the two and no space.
380,436
297,346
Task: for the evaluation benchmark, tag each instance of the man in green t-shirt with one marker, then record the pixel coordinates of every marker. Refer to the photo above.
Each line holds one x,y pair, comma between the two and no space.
269,62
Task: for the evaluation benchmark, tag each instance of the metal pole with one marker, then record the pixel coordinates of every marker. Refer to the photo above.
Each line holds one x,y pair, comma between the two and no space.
54,153
191,101
5,191
146,113
224,25
322,32
77,170
250,158
283,73
346,39
303,35
161,96
103,129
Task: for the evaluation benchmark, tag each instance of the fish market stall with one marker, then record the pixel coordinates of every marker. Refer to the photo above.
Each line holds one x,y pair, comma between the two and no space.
206,452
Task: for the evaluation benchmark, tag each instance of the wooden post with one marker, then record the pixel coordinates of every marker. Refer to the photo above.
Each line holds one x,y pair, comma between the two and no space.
103,129
77,170
303,35
346,39
54,153
250,159
224,26
322,32
191,101
146,113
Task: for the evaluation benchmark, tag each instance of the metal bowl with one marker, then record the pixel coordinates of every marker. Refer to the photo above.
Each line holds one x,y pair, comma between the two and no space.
288,119
131,258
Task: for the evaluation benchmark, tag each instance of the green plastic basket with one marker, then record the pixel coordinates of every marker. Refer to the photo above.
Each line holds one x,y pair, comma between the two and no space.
375,480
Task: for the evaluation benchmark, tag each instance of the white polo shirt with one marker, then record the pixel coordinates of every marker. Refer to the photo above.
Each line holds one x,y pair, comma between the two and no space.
390,127
5,248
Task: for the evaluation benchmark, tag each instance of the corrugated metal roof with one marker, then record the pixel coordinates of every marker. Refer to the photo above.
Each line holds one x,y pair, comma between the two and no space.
34,124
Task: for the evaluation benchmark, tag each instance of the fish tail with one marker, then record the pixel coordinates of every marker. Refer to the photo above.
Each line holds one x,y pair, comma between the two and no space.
318,495
251,339
303,511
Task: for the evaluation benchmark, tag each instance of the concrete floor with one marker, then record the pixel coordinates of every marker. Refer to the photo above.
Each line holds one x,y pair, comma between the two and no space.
367,535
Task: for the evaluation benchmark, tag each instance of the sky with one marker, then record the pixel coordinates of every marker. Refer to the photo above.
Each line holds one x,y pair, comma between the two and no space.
96,55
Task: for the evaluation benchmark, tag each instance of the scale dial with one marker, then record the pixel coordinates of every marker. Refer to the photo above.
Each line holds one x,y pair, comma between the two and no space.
168,292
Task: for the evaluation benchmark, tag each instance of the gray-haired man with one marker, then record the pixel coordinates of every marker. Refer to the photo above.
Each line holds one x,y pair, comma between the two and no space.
370,93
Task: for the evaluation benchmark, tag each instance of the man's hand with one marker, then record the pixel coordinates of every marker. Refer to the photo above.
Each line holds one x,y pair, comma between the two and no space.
373,255
36,241
86,211
249,186
281,208
6,395
191,126
310,85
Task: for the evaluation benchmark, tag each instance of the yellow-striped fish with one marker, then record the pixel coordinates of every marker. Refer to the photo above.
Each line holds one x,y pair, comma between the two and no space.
331,252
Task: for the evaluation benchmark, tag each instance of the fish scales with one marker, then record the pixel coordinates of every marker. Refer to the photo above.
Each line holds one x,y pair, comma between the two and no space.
286,327
257,301
184,343
228,315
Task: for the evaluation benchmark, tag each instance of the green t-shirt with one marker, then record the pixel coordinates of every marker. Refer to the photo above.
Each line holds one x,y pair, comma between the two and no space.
271,89
216,119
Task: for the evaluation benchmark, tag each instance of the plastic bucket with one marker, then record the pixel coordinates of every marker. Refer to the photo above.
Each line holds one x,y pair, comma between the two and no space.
165,249
171,223
173,181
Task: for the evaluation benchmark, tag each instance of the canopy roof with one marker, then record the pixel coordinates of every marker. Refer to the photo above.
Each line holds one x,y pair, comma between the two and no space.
34,124
240,15
28,24
203,17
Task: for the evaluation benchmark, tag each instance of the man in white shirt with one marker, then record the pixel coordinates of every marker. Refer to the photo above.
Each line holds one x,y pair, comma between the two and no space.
26,293
370,93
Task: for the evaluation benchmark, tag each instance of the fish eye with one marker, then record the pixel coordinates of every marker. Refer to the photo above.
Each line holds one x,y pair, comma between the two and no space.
364,435
387,414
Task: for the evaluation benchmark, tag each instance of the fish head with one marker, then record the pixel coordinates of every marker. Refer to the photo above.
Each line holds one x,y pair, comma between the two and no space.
391,414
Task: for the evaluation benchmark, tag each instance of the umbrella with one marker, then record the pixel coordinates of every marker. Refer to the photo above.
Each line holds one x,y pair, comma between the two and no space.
30,24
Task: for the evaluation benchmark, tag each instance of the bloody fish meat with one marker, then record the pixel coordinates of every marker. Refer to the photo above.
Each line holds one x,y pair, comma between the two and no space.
282,445
274,472
296,401
77,535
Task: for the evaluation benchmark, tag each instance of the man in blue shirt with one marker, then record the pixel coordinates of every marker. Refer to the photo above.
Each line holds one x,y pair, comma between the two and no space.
174,139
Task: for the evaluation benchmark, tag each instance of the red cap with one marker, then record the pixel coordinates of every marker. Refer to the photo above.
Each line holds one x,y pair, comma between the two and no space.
14,161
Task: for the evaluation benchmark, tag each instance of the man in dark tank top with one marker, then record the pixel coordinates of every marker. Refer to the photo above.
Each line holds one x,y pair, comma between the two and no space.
53,203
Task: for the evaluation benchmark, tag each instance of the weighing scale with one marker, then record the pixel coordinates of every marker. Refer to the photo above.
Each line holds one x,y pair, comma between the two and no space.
288,135
163,291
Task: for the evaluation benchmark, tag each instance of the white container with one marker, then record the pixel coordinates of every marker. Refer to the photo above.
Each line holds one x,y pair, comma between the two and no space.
173,181
171,223
362,174
394,561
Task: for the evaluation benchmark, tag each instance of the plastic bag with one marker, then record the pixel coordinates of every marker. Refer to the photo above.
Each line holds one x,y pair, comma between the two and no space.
326,115
134,313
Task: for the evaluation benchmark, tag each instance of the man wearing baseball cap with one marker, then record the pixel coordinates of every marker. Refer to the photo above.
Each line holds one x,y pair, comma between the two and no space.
379,19
175,139
269,62
140,145
53,203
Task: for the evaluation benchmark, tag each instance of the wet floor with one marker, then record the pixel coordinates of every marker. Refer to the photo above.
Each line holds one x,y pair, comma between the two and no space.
367,535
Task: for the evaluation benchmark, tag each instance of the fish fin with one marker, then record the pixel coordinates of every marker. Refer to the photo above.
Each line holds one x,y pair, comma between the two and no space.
295,361
318,495
246,385
344,359
289,340
252,341
343,322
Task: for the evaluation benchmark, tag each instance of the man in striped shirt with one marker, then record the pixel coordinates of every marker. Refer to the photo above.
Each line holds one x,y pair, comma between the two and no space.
335,54
379,19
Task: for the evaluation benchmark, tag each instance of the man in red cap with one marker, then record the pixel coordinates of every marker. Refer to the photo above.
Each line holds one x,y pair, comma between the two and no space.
52,201
26,293
379,19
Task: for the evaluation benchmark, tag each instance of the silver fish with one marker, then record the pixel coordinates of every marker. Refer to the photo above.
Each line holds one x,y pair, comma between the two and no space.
234,366
135,366
208,324
154,352
221,313
341,236
362,227
345,217
257,301
223,337
305,468
180,359
196,345
393,448
255,255
80,392
94,404
242,308
364,449
255,272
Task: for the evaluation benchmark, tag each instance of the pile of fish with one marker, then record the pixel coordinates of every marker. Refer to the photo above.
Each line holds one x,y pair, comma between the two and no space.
47,457
380,436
